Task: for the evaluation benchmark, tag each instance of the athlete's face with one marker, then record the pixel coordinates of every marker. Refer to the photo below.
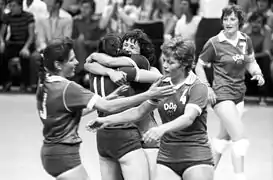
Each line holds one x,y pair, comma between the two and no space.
131,46
69,66
231,23
172,68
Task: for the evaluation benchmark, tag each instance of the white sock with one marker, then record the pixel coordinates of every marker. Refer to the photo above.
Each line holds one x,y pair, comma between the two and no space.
240,176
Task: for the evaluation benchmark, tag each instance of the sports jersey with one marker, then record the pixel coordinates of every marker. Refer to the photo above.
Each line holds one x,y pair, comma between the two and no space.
191,143
60,103
103,86
229,63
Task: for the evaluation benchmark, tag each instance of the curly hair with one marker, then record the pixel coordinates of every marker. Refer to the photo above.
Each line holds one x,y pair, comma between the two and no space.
146,46
238,11
180,49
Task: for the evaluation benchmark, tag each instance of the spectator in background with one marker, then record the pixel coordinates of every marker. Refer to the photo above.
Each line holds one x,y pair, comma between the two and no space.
2,7
263,6
57,24
247,5
88,28
209,26
162,10
260,35
20,43
187,25
36,7
39,10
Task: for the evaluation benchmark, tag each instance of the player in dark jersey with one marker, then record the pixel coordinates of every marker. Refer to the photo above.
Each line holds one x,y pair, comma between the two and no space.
184,151
60,103
136,64
231,54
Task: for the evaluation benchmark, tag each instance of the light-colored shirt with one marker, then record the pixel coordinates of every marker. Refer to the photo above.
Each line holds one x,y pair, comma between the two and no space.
187,29
37,8
50,28
212,8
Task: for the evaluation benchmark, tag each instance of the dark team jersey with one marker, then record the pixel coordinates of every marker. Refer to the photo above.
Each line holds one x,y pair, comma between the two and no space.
60,103
229,64
191,143
103,86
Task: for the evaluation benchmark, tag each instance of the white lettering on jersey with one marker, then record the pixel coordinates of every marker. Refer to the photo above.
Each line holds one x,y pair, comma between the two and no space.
170,106
183,97
238,57
43,112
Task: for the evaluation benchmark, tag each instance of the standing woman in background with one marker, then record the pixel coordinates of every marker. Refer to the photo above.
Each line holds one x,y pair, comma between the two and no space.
231,54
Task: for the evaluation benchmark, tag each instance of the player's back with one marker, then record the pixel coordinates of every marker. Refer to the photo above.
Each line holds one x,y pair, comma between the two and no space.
60,124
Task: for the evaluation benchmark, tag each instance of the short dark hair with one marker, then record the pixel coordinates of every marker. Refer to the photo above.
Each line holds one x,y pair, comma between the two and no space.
238,11
146,46
110,44
57,50
91,2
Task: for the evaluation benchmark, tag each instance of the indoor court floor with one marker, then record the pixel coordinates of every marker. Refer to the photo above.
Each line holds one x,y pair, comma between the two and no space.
21,132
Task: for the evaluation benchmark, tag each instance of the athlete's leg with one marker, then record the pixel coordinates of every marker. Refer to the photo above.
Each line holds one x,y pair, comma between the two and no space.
76,173
110,169
220,144
199,172
134,165
164,173
231,119
151,155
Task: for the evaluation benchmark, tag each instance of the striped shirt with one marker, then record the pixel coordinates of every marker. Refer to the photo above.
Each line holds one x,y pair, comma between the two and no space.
18,26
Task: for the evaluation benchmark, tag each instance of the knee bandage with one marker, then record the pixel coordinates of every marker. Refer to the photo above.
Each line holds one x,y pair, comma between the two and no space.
240,147
219,145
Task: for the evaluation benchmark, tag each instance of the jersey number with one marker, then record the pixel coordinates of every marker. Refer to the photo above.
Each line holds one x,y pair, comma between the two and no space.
43,112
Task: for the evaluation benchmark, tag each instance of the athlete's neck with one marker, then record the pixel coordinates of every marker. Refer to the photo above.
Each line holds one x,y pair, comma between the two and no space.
178,79
231,36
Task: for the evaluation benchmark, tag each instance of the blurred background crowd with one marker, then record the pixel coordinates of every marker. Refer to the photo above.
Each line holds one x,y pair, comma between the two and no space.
28,25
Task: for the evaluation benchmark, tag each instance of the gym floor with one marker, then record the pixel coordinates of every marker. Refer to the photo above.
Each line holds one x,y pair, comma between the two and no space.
21,131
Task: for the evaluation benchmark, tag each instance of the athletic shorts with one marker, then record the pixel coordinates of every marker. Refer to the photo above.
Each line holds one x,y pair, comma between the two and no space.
180,167
115,143
59,158
236,101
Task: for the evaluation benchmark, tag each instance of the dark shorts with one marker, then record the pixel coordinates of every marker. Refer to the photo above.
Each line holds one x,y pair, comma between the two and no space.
180,167
115,143
236,101
59,158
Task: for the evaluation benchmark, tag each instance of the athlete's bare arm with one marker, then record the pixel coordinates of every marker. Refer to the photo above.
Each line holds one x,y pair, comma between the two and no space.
110,61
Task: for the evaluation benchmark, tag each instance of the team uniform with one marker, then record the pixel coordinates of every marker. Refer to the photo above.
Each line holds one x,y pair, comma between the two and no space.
229,62
184,148
60,103
117,140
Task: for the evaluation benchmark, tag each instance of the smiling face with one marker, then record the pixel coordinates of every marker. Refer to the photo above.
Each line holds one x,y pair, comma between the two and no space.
231,23
131,46
67,68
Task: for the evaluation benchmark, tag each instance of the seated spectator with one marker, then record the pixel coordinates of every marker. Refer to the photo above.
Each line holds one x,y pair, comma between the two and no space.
88,28
19,44
260,35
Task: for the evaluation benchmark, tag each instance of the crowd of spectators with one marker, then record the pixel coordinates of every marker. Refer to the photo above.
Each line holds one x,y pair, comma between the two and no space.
28,25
